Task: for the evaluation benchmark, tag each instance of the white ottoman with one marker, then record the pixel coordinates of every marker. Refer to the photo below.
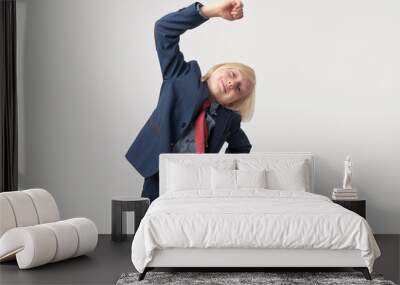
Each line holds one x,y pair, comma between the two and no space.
31,232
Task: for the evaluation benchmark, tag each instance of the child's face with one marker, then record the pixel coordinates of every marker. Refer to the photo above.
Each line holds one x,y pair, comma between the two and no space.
227,85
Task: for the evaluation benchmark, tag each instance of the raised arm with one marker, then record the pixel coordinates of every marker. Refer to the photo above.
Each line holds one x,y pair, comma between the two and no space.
167,31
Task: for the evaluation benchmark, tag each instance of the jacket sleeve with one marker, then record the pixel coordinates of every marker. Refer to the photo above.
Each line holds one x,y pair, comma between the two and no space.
167,31
237,139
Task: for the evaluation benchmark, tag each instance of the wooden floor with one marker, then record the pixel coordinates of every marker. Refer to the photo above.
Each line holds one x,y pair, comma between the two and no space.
111,259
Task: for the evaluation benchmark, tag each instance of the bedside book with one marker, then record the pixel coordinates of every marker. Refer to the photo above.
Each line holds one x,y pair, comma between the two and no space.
341,190
344,198
344,194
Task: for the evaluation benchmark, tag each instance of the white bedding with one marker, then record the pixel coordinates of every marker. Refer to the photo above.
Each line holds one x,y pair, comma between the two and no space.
250,218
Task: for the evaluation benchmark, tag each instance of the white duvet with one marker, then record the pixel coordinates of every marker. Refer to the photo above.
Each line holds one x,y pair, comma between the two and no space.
251,218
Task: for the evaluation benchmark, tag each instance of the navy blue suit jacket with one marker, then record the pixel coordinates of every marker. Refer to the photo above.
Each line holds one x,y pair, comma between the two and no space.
182,94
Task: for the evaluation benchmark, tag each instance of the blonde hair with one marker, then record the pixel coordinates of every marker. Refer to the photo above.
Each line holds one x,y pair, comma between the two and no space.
245,106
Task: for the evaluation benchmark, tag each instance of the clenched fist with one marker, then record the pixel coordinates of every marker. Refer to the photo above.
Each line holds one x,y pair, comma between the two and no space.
228,9
231,10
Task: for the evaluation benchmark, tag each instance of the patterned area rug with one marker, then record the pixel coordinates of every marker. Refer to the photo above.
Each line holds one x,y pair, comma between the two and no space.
270,278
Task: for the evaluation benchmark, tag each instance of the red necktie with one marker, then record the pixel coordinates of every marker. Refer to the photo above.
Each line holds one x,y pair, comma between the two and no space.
200,128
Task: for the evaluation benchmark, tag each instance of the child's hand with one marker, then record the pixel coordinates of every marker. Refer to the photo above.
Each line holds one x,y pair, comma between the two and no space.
230,9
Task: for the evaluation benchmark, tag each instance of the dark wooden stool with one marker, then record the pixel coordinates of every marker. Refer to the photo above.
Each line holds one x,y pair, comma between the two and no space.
121,205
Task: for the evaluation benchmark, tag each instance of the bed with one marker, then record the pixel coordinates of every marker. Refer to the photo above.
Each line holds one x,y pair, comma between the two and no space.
246,211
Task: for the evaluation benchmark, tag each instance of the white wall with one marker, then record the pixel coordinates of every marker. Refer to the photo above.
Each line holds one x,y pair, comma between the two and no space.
328,82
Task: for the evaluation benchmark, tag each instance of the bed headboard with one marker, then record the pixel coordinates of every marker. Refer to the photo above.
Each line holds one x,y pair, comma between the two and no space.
165,158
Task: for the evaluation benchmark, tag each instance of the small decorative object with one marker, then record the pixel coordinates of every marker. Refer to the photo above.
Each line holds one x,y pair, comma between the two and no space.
347,173
347,192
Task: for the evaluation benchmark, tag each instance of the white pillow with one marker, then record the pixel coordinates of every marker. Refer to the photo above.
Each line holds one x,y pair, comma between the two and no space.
226,179
251,178
282,174
223,179
193,175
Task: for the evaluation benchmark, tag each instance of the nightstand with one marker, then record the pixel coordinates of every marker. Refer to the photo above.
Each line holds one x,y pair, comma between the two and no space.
121,205
357,206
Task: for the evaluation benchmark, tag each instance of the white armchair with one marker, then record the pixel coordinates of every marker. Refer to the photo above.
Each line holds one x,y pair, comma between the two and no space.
32,233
